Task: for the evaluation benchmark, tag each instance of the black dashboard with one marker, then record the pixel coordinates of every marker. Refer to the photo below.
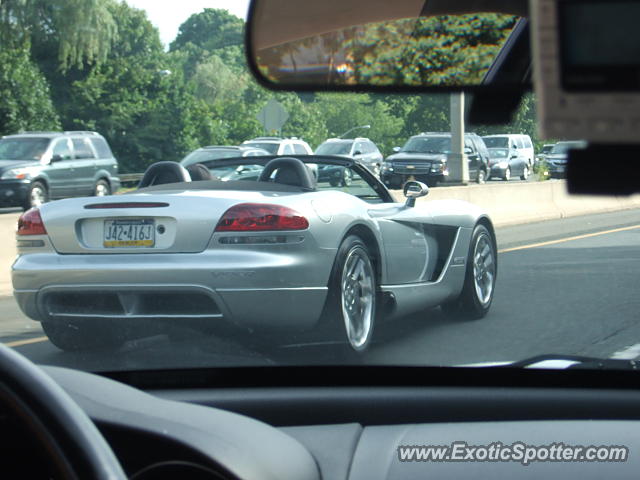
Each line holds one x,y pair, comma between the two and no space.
307,431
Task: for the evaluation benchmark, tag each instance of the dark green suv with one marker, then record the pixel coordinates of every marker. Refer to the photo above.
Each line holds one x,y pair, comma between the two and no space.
36,167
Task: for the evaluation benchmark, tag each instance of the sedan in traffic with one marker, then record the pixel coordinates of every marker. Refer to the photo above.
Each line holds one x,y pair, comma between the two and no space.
506,164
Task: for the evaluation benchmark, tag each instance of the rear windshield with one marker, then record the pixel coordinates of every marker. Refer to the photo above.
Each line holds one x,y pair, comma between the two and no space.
101,147
23,148
496,142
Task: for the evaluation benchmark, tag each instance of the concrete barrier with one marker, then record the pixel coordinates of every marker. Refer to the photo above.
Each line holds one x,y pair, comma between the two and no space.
514,203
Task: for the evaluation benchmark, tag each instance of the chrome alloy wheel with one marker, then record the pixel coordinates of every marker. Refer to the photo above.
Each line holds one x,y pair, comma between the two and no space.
37,196
358,297
102,190
484,268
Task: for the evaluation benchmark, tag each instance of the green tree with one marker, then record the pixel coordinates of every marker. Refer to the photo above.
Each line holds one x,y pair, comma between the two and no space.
81,31
210,30
138,98
342,111
26,102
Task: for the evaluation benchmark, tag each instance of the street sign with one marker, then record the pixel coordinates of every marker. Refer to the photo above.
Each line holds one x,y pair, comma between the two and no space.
273,116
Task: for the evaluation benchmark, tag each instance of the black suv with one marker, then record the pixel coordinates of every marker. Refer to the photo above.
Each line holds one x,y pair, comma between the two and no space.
36,167
424,157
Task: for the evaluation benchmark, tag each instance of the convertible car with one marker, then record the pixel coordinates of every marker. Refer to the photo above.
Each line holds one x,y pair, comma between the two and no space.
285,253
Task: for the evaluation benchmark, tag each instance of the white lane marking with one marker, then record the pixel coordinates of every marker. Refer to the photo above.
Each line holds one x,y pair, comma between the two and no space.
629,353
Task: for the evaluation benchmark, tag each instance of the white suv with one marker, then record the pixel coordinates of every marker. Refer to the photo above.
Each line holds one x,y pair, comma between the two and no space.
280,146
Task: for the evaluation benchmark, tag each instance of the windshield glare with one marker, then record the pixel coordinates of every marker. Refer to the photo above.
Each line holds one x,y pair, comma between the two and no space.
23,148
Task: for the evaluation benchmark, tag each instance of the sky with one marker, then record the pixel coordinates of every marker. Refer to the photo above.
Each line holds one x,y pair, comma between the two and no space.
169,15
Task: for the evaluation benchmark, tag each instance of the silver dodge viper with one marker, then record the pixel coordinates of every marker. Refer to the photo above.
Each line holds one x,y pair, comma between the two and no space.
276,248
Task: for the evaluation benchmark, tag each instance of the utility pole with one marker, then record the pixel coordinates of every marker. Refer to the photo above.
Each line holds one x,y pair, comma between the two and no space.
457,162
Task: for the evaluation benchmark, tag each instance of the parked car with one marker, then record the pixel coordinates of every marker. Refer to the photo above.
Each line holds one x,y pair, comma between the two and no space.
556,159
424,157
361,149
519,142
206,154
36,167
291,243
280,146
505,163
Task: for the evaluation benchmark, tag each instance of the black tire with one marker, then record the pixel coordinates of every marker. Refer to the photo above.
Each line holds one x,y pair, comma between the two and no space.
525,173
334,318
468,305
101,188
507,174
482,176
432,182
36,196
80,336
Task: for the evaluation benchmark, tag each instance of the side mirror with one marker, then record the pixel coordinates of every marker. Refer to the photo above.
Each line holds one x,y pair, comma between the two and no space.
396,149
468,151
56,158
513,156
413,190
357,152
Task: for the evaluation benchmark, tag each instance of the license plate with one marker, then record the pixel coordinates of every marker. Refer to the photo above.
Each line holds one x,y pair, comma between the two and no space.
129,233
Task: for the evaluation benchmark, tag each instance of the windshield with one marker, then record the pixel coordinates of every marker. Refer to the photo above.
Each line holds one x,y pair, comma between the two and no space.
496,142
131,263
272,148
498,152
334,148
427,145
23,148
564,147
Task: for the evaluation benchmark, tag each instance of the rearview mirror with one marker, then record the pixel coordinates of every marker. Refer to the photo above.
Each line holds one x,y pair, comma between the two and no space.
413,190
359,43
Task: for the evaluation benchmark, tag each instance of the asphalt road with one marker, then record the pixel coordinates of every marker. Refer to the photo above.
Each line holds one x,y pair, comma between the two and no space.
565,286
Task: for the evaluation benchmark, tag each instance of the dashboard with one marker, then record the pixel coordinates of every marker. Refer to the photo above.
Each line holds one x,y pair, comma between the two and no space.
306,431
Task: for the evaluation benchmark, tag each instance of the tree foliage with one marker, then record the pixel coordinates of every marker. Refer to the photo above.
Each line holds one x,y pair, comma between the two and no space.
82,31
26,102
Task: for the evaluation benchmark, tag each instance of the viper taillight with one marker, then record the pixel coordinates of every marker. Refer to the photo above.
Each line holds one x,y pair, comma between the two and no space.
30,223
257,217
